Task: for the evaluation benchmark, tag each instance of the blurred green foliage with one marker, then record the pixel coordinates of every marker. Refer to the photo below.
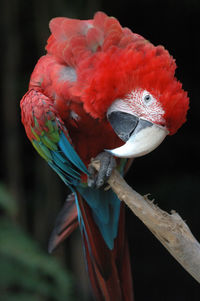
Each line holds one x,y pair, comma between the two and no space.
27,272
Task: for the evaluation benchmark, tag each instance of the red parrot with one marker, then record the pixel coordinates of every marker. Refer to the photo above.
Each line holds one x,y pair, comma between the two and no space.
101,91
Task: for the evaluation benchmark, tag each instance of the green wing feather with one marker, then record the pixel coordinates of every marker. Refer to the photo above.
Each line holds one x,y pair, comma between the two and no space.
46,140
52,143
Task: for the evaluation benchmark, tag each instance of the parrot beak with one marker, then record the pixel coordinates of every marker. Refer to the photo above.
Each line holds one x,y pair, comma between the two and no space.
141,136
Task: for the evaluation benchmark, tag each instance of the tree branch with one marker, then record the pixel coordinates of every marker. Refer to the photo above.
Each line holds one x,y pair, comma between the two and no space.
169,229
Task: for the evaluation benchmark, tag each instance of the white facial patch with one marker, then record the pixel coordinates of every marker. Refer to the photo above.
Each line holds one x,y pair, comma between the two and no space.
141,104
144,105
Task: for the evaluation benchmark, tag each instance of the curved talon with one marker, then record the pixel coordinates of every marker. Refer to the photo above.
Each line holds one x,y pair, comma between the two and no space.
107,164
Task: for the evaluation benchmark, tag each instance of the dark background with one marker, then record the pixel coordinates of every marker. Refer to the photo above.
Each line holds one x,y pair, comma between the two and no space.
170,173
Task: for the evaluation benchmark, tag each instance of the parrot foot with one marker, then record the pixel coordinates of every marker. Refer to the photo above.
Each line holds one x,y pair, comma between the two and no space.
107,164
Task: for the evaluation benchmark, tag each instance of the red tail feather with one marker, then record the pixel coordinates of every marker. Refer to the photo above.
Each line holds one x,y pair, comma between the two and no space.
66,223
109,270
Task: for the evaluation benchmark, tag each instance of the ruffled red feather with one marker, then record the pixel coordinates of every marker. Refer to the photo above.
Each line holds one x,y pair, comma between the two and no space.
110,61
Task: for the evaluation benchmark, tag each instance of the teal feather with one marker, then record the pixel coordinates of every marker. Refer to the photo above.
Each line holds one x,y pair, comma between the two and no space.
66,178
70,153
64,165
106,210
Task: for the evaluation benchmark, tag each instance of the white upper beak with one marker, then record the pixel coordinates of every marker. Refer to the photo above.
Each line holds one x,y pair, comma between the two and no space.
143,140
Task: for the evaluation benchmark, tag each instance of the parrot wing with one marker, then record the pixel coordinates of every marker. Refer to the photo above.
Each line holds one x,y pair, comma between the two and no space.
98,211
50,137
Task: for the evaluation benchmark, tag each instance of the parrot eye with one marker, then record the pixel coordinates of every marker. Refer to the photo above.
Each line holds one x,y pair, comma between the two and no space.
147,98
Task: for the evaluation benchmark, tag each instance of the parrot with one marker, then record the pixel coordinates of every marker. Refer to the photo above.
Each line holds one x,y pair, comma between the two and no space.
102,92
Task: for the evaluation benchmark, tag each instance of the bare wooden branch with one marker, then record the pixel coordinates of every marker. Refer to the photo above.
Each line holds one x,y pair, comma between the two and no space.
169,229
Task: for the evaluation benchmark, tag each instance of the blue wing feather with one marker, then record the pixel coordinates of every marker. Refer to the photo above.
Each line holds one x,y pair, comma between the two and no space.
61,174
66,162
64,165
71,154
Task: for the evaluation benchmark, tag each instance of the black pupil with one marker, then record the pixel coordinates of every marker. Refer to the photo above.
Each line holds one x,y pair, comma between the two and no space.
147,98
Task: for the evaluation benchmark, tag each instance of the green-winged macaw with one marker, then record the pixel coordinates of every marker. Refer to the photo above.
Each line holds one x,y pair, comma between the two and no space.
101,91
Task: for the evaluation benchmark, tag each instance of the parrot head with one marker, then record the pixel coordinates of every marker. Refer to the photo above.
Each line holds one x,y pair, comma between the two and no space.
121,77
138,120
135,88
137,91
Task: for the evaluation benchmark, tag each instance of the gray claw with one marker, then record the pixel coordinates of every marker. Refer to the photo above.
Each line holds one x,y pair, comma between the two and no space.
92,176
107,164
